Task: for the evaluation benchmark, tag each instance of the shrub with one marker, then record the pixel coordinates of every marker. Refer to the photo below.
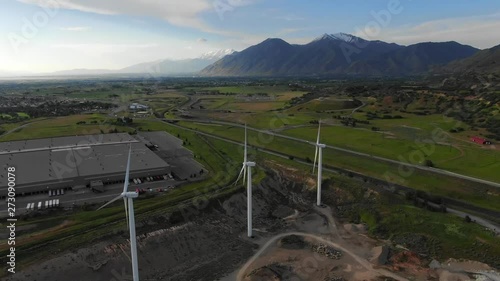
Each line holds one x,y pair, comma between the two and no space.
428,163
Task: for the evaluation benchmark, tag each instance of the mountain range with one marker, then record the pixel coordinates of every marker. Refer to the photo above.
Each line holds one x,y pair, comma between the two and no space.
157,68
185,66
338,54
484,61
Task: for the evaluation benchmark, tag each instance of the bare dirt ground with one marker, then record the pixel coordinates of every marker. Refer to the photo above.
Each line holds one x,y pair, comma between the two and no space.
294,240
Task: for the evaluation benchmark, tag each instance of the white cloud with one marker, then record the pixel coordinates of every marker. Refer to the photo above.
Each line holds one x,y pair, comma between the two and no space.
75,28
478,31
96,48
185,13
178,12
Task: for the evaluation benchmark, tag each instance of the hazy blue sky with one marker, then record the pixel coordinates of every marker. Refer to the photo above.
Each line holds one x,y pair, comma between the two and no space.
49,35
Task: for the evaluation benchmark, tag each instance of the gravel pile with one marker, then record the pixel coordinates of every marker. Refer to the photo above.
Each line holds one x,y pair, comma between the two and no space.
334,278
327,251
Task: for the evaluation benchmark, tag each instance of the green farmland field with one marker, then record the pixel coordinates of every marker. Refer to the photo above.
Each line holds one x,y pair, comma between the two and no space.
420,180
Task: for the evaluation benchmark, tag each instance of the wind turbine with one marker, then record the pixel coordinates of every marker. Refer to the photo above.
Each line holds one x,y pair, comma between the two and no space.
129,213
319,152
246,171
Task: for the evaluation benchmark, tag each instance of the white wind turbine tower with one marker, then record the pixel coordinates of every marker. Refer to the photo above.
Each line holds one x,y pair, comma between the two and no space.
319,152
246,170
129,213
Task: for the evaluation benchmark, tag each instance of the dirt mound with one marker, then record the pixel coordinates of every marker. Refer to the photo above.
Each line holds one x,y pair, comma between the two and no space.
264,274
275,197
412,264
465,265
452,276
273,272
292,242
380,255
355,228
335,278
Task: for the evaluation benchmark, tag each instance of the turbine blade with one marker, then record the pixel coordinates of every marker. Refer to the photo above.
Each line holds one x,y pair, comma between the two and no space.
239,176
245,157
126,209
244,173
319,130
315,159
127,173
110,202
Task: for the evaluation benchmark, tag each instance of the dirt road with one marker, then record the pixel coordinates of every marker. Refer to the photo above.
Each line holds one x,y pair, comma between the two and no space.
333,235
363,262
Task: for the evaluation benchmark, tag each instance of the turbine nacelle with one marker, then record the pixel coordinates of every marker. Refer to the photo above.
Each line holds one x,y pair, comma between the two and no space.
320,145
249,164
129,195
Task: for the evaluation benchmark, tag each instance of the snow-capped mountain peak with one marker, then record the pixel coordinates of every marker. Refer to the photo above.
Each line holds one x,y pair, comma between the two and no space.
338,36
344,37
216,55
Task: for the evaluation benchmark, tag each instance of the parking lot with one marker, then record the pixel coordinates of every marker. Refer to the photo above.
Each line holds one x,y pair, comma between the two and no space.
71,198
170,149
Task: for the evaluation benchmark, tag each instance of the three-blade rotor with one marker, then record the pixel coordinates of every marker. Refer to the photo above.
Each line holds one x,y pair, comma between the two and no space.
125,188
244,169
317,146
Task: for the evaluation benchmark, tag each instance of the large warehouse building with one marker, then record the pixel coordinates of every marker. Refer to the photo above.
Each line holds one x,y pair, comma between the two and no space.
69,162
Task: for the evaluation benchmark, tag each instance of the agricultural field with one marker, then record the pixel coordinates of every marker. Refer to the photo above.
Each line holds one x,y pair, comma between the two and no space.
398,144
21,115
274,90
162,102
62,126
328,104
91,91
396,138
396,135
382,144
238,104
266,120
246,100
274,112
433,183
